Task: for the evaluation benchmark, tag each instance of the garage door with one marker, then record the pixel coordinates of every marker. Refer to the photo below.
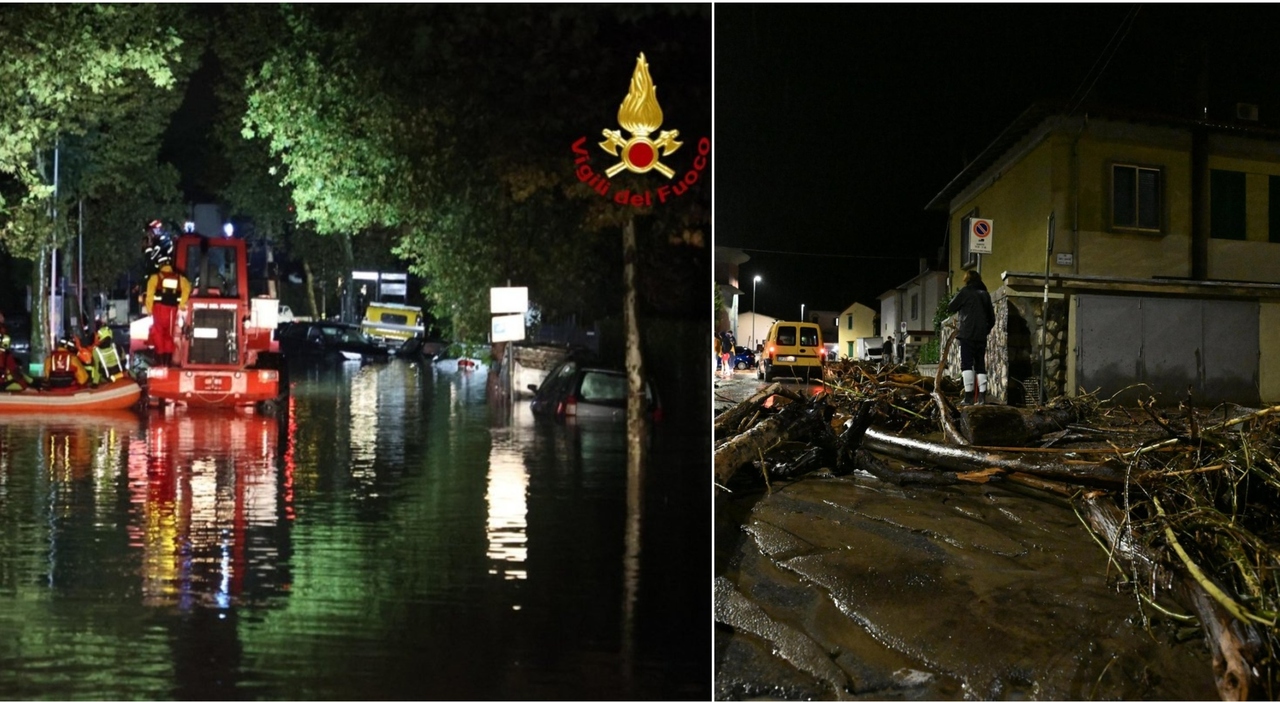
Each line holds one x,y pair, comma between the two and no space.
1205,349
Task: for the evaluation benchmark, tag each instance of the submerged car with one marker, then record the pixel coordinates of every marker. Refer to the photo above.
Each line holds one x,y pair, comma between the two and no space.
328,341
578,389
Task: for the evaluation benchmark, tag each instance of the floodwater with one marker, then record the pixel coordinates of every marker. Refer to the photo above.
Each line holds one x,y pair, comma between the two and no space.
385,535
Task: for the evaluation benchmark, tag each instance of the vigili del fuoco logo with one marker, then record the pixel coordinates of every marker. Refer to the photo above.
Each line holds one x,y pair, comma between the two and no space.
640,115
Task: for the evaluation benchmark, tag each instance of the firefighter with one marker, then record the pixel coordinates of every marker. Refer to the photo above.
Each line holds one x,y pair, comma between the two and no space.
12,379
107,366
63,368
167,290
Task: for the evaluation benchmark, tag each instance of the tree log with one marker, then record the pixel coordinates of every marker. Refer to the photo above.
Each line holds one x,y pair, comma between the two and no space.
1001,425
800,421
964,458
730,418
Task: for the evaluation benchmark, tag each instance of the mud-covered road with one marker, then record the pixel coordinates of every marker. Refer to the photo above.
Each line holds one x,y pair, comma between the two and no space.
852,588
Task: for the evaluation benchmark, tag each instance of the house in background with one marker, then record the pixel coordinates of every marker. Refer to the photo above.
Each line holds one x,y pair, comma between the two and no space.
755,327
826,321
1156,240
727,261
856,325
906,312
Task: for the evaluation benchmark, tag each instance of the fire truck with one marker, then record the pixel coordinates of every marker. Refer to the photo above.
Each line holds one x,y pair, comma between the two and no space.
225,351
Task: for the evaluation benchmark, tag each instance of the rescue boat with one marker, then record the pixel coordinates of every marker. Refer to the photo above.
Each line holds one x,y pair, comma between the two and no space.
116,395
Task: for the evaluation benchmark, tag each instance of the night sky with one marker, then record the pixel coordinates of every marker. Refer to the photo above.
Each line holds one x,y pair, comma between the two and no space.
837,124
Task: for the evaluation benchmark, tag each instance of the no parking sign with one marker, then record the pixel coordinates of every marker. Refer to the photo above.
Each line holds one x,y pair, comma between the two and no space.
980,236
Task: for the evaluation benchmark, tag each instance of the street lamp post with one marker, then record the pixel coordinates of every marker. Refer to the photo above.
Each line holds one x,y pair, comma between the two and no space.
754,313
801,311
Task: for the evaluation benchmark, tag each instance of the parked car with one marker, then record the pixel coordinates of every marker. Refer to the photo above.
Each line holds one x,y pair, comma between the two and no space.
579,389
328,341
743,358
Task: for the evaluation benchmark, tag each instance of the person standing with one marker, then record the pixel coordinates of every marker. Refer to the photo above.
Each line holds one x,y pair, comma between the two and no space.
726,355
167,291
886,351
715,352
977,317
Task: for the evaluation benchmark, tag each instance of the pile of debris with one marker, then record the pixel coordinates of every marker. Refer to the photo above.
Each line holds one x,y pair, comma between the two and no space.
1182,499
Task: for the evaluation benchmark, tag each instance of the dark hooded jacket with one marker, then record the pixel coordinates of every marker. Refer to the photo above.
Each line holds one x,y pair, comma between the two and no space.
977,315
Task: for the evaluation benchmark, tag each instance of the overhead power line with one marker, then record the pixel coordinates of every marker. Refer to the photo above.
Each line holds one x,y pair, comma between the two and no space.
1108,52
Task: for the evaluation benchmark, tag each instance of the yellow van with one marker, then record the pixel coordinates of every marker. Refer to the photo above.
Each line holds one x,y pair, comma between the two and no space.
794,348
392,324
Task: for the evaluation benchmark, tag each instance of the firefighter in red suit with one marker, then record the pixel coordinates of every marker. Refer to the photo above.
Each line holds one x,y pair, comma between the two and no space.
12,377
167,290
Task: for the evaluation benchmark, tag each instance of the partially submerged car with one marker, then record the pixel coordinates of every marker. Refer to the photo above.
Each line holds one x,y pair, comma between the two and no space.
579,389
328,342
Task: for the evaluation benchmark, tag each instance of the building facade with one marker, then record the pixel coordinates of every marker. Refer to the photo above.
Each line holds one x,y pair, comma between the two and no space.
906,312
856,322
1125,248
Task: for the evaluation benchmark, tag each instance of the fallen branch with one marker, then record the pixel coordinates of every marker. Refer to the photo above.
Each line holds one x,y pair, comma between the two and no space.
1230,423
944,408
963,459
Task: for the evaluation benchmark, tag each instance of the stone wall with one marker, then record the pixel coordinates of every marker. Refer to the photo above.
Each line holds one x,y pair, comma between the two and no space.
1013,349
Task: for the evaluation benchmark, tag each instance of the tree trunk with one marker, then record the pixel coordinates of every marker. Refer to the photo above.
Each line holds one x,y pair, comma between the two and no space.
1001,425
311,289
636,409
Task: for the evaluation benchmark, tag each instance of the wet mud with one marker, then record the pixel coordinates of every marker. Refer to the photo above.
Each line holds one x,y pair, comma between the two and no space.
851,588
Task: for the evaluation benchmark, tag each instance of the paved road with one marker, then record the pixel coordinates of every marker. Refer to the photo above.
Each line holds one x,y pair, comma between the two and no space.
727,392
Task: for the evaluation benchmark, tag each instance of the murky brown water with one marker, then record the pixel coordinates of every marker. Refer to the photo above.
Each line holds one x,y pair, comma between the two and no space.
853,588
382,537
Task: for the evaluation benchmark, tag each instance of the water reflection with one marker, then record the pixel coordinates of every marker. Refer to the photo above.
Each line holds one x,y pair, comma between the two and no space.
380,538
205,509
508,507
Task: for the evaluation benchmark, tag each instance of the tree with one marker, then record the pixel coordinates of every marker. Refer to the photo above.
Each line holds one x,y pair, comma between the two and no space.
67,70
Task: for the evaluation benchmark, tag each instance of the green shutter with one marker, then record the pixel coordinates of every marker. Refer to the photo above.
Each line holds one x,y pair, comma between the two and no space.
1226,205
1273,208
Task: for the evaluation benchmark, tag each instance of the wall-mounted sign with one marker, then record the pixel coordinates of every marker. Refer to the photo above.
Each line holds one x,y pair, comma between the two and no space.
1066,259
980,236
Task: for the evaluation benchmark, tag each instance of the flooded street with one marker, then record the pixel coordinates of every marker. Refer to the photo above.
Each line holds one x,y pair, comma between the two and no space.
385,535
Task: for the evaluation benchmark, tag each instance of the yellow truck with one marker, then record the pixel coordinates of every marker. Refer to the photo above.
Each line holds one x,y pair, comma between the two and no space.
391,324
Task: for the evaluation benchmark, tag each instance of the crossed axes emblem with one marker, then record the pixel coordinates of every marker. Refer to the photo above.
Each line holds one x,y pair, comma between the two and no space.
665,145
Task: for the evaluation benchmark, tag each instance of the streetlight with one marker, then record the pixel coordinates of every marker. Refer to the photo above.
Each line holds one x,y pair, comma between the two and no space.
801,311
753,311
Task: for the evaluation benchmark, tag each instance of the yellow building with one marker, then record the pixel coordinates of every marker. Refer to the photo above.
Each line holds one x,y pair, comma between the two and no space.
857,321
1159,238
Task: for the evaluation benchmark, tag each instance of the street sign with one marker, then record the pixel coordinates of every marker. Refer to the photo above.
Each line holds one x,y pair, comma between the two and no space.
980,236
507,327
508,300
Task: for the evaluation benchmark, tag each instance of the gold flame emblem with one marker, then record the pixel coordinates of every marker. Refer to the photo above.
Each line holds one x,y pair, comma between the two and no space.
640,115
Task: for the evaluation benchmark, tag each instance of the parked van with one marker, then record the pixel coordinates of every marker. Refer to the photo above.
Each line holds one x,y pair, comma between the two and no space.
391,324
794,348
